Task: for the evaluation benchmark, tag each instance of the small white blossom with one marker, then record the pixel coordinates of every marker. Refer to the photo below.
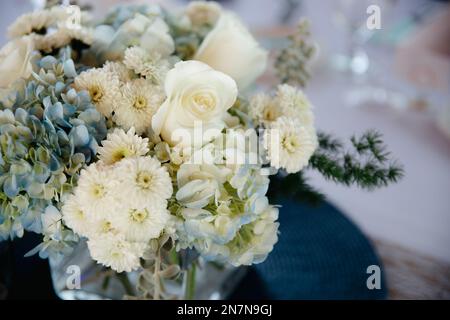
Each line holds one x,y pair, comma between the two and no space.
289,144
149,65
139,102
103,87
120,145
115,252
144,180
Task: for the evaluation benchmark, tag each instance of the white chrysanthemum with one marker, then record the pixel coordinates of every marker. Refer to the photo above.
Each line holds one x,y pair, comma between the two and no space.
294,104
101,224
289,144
263,110
140,101
142,223
149,65
35,21
75,216
119,69
95,186
144,180
52,40
103,87
115,252
61,37
120,145
80,33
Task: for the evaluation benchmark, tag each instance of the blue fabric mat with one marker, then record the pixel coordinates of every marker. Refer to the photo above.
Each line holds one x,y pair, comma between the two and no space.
320,254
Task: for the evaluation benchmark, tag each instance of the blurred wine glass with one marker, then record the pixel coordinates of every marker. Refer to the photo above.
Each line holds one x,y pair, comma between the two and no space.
350,16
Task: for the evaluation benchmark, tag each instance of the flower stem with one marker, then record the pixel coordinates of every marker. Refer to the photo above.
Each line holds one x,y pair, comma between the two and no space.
123,278
189,292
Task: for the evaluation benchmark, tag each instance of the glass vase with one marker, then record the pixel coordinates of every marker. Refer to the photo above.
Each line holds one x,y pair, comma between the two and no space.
77,277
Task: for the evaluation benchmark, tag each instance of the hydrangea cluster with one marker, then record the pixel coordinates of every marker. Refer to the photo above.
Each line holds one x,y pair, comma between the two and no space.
222,206
48,133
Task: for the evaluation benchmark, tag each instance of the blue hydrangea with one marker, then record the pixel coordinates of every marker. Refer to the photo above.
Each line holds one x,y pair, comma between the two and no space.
46,136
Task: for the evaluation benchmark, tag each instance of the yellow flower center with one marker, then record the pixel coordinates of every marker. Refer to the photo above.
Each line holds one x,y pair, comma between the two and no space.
79,214
203,103
290,143
144,179
138,215
96,93
120,154
106,227
270,113
98,190
140,103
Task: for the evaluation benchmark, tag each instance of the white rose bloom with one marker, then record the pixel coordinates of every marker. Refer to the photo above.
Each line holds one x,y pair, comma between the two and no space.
141,223
15,61
143,180
196,93
120,145
289,144
198,184
115,252
229,47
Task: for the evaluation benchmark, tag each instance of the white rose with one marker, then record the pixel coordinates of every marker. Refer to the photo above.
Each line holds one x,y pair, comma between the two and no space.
15,61
196,94
229,47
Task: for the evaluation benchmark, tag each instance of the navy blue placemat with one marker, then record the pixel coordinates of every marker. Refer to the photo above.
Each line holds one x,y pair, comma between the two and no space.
320,254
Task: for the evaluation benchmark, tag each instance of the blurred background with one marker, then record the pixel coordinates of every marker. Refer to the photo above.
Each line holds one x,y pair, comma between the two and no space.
395,79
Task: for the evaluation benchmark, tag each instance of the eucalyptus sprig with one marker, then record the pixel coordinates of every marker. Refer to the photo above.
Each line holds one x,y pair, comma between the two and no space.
157,266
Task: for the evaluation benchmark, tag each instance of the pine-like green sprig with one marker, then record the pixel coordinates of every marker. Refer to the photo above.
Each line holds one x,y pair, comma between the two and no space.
366,164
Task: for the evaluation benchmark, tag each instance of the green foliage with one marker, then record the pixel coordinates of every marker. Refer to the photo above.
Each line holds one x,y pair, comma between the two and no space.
366,164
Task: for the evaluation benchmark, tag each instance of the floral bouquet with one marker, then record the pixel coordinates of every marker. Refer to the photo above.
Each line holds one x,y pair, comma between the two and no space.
135,141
